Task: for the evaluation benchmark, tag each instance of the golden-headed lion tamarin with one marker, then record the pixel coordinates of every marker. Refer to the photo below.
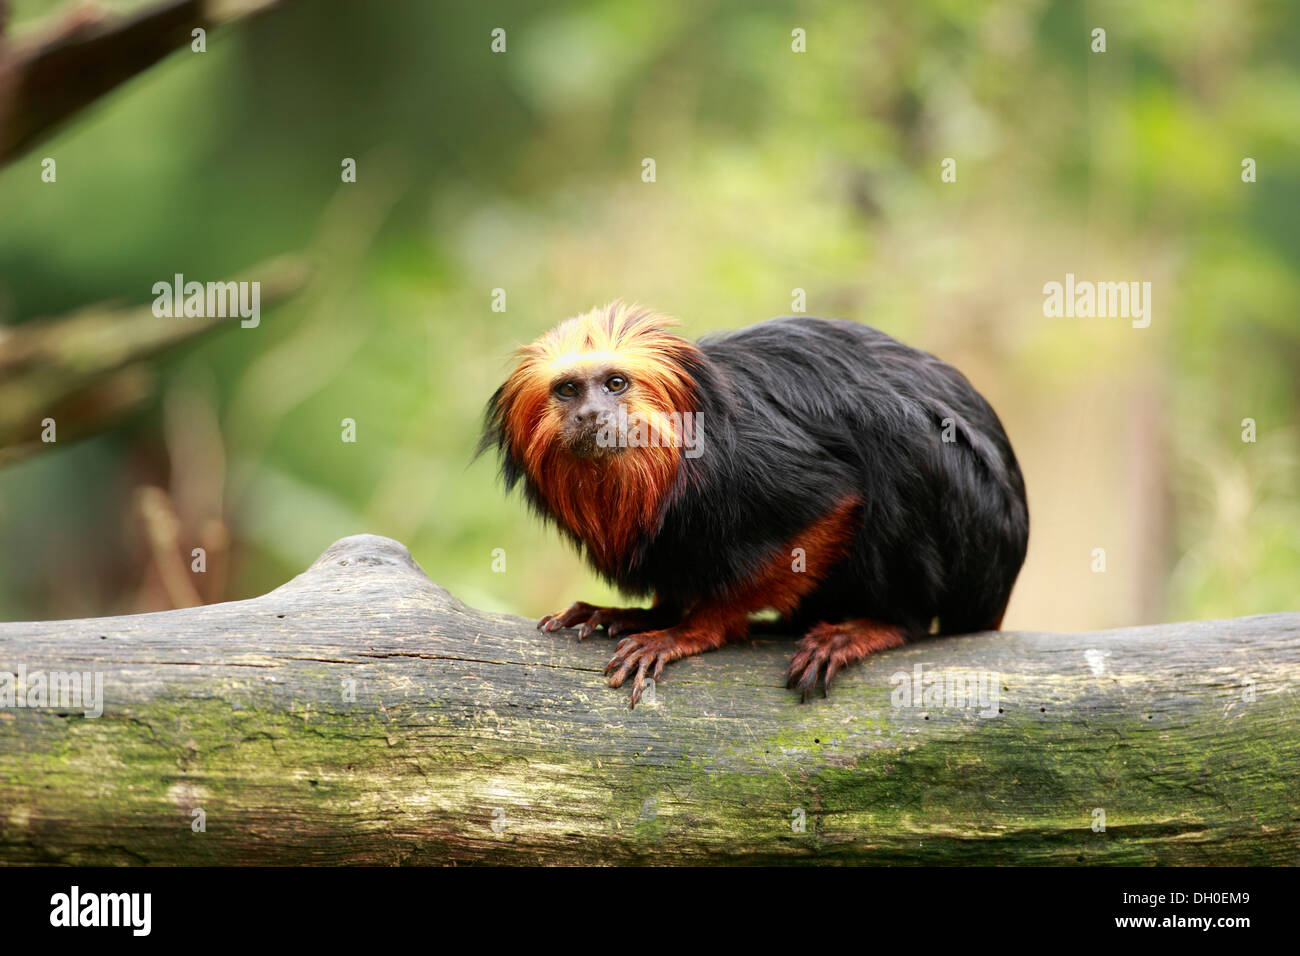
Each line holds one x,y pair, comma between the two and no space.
860,488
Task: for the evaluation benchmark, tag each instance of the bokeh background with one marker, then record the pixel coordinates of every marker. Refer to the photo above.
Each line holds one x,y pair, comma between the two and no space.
775,170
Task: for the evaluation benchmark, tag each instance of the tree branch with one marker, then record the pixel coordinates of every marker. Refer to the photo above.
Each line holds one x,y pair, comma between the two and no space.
361,714
87,370
51,77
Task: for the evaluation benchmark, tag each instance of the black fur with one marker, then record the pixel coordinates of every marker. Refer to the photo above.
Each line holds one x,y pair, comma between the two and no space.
798,414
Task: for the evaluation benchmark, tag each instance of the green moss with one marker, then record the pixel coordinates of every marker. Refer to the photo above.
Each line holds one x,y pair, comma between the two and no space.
420,784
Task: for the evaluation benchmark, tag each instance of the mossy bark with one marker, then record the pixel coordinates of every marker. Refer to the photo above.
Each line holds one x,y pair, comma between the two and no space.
360,714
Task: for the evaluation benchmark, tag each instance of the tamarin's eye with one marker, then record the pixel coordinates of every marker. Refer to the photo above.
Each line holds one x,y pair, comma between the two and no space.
616,383
566,390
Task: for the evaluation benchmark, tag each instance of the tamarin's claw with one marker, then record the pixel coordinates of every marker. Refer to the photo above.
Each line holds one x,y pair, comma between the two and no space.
615,620
829,647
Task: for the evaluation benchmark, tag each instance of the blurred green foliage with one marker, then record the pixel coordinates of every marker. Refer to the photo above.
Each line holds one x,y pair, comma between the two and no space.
775,170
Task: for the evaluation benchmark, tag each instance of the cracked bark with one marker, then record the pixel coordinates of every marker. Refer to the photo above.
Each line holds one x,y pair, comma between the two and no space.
361,714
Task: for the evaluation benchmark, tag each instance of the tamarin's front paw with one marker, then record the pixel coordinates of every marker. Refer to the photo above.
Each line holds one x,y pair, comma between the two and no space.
646,653
615,620
828,647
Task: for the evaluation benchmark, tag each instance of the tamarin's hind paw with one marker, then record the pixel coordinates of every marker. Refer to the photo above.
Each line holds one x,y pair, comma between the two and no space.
829,647
615,620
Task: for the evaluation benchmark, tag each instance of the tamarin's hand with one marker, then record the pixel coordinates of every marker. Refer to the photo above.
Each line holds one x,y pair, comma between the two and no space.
861,488
615,620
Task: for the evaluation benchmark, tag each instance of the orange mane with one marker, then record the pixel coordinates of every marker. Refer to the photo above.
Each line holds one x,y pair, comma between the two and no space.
607,502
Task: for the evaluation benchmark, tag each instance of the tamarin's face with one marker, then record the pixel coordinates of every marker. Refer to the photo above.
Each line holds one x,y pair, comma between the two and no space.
585,400
590,416
591,385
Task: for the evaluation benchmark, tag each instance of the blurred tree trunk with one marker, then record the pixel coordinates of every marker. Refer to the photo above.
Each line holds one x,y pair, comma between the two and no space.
87,371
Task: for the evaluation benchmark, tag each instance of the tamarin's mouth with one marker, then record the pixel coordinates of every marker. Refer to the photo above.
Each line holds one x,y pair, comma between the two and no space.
587,443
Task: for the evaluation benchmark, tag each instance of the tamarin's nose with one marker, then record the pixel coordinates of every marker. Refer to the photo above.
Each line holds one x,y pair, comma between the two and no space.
584,416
